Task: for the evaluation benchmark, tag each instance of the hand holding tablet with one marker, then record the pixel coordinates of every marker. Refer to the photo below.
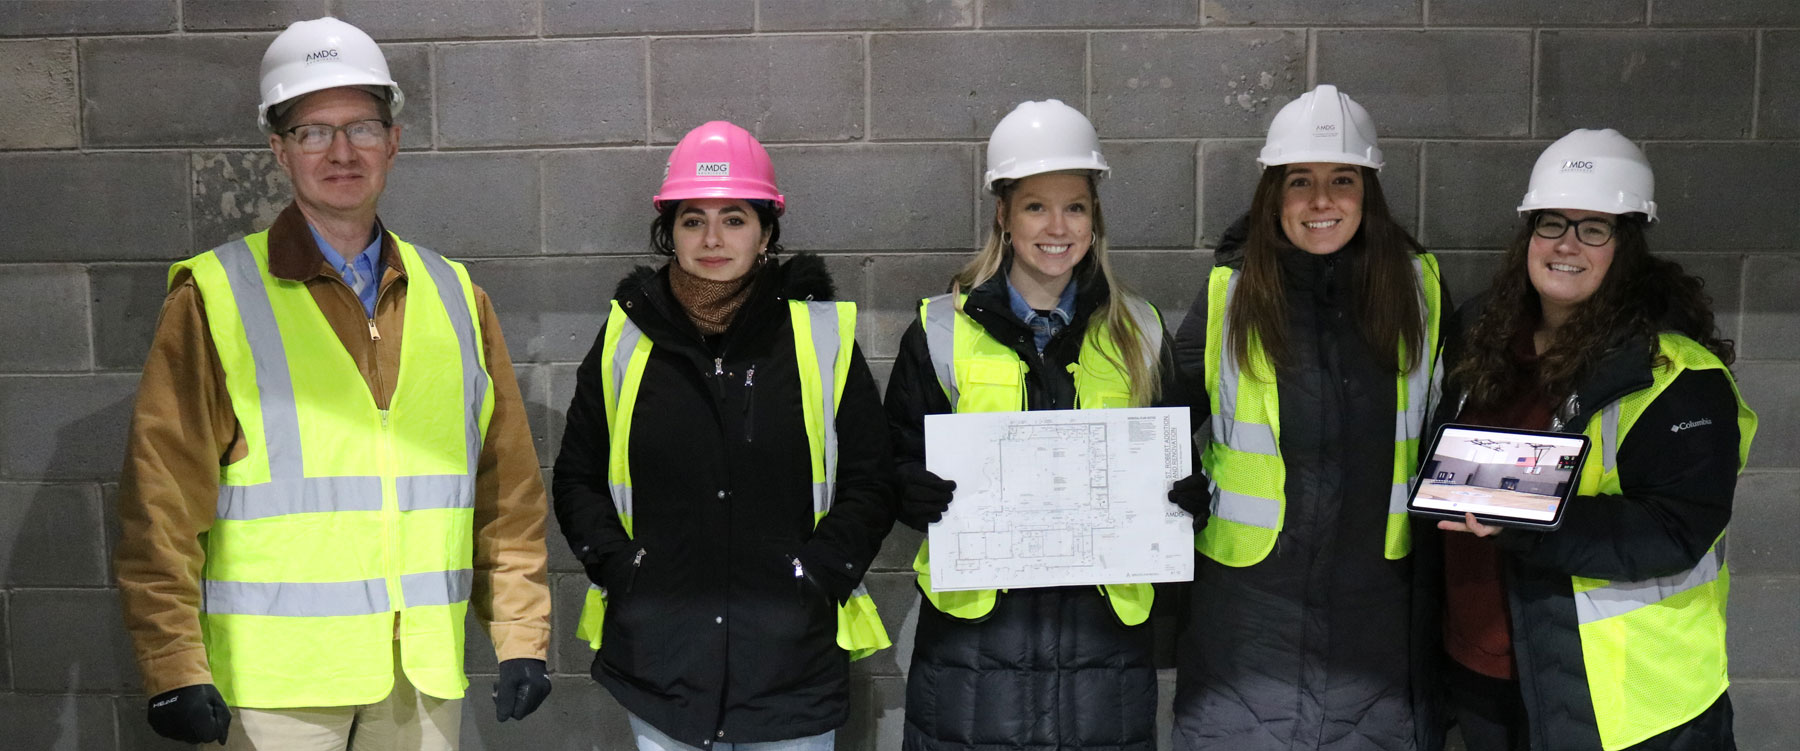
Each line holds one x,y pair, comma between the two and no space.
1502,477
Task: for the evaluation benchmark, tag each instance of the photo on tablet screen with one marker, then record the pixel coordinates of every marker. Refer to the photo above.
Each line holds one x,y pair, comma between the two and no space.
1519,476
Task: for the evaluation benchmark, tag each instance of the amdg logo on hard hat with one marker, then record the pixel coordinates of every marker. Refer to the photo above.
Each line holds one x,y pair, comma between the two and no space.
1577,165
712,169
325,54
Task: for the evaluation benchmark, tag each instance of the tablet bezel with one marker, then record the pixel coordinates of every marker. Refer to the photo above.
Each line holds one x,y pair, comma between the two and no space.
1574,488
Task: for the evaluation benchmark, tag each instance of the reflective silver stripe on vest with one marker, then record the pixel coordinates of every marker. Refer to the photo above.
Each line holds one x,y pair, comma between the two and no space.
311,495
437,587
940,341
1245,437
424,492
281,419
462,321
297,599
1618,598
826,337
1421,383
629,334
1609,437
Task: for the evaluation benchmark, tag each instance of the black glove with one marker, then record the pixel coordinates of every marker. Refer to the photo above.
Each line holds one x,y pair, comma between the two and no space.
610,573
923,496
521,687
1191,495
194,714
825,579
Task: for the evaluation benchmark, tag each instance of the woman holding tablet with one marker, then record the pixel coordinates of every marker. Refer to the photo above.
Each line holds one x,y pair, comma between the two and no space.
1035,321
1609,632
1317,334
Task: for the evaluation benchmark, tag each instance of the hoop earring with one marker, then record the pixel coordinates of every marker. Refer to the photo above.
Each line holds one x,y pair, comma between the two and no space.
1093,239
1005,239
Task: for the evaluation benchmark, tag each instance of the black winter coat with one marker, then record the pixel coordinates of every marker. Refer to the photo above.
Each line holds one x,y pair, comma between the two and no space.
709,636
1313,647
1049,668
1678,487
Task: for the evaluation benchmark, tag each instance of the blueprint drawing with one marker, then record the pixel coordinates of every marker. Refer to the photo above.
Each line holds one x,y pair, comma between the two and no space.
1063,497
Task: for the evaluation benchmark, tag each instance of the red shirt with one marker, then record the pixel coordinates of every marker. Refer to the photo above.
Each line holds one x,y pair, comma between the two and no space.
1477,624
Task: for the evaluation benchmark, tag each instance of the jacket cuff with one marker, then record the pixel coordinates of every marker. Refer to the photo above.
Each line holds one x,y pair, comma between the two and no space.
175,670
838,575
516,639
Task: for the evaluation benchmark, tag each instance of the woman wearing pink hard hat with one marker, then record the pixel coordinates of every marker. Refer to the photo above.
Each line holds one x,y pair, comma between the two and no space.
724,475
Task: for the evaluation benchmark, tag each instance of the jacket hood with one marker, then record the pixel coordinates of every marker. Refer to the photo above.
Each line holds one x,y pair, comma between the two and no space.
1231,244
801,277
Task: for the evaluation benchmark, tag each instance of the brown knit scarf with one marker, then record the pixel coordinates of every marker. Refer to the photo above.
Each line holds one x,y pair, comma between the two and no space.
709,304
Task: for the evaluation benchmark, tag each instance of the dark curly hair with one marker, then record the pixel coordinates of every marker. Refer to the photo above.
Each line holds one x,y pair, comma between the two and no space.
662,228
1641,296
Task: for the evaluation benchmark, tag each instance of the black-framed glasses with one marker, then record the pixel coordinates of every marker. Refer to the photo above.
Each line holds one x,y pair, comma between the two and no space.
315,138
1592,231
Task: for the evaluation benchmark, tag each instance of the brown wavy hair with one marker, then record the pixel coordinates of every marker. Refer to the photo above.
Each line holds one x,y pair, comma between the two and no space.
1387,301
1641,296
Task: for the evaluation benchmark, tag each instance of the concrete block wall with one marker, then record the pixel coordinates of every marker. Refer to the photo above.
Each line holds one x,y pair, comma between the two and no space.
535,132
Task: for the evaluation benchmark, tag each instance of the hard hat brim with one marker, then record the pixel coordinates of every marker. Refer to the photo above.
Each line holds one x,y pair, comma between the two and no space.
350,77
662,200
1328,157
1022,170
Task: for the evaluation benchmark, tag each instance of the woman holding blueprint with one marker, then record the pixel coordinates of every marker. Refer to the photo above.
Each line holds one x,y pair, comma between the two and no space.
1036,321
1317,333
1610,631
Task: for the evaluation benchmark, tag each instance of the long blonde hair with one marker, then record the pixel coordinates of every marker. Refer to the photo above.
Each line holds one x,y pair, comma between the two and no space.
1145,379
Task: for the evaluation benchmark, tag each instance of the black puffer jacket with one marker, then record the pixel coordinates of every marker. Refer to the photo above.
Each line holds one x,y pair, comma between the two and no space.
1311,648
1678,487
1049,668
708,635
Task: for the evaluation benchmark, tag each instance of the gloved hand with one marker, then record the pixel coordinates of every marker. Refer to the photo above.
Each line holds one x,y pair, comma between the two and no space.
1190,494
193,714
813,572
923,496
610,573
522,686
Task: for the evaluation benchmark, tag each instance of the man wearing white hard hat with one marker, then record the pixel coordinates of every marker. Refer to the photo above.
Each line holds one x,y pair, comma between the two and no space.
329,463
1316,337
1609,632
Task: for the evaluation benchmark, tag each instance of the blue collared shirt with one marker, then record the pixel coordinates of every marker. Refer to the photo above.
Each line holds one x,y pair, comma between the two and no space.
1044,326
367,262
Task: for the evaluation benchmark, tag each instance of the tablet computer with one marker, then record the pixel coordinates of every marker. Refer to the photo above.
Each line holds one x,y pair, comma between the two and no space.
1512,478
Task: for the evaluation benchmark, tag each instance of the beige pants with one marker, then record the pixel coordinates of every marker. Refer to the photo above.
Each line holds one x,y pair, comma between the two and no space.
405,721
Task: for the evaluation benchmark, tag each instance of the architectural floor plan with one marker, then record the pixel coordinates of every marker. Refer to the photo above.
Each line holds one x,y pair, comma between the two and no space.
1060,497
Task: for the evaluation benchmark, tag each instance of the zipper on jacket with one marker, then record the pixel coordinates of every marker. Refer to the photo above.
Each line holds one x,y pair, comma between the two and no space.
799,582
750,411
374,333
637,562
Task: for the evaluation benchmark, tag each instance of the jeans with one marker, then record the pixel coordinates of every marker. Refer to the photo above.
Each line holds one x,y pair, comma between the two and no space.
651,739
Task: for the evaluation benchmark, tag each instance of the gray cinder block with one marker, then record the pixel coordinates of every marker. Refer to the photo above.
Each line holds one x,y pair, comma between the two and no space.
73,640
903,280
1149,198
960,85
1723,13
441,19
1678,84
598,202
204,92
1762,637
1535,12
1451,83
1000,14
78,426
875,197
1706,202
532,93
1771,309
235,193
1472,192
1194,84
1764,714
1768,387
51,536
39,18
234,15
1779,116
1765,521
818,15
1270,12
580,18
780,88
552,308
126,300
58,722
38,103
53,299
465,205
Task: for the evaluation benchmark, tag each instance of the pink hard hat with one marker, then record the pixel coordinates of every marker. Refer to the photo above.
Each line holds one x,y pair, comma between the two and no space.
719,160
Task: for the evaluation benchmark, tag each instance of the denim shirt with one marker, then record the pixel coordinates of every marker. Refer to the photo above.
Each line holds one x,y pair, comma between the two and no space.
367,262
1043,327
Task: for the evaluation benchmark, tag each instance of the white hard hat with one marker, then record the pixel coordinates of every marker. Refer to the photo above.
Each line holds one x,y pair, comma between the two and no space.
320,54
1322,126
1039,137
1595,170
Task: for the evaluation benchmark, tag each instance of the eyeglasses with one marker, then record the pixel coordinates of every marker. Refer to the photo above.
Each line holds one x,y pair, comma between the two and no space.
1592,231
315,138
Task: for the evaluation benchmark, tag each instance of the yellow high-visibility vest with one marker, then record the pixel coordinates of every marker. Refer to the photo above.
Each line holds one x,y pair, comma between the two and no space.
981,374
1654,649
824,338
1243,452
341,514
